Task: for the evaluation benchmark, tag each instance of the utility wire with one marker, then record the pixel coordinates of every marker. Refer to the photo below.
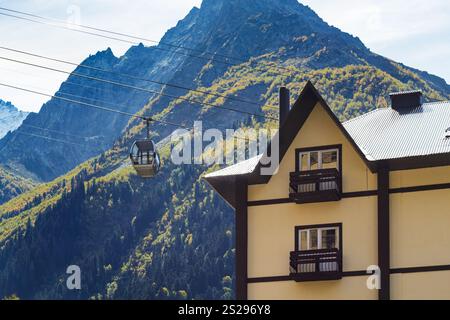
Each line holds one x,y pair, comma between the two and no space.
138,88
55,131
109,109
60,22
169,44
85,104
60,92
49,138
116,39
67,82
126,75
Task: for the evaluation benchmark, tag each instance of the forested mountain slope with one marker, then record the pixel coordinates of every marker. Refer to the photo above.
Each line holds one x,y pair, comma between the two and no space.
171,236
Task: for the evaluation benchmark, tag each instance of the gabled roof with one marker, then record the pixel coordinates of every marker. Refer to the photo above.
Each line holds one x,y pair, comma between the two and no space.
410,138
250,169
390,135
243,167
297,116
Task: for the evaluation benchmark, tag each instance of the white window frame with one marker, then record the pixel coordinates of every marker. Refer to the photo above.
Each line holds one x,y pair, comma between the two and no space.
319,160
319,237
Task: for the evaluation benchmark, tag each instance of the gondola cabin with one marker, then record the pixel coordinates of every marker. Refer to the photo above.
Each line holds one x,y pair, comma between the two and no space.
144,158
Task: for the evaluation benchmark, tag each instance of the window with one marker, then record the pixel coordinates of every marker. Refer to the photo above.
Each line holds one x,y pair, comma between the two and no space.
322,159
318,238
318,248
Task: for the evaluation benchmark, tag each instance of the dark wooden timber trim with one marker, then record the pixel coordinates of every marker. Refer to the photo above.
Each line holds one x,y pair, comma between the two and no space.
241,237
355,194
421,269
270,279
269,202
429,187
356,273
360,273
383,233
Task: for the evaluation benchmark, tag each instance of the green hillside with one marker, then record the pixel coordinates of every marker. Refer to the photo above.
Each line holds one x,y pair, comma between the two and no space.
169,237
12,185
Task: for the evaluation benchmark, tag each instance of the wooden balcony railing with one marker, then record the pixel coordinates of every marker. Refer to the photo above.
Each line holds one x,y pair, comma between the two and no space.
315,185
311,265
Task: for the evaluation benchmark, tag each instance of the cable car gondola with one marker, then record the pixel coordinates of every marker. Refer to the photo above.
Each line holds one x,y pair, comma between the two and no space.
144,156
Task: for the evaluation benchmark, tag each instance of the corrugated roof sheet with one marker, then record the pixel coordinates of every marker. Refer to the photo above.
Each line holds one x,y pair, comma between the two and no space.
243,167
388,134
385,134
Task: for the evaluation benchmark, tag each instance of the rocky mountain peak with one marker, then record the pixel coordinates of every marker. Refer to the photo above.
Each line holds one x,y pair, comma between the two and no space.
10,117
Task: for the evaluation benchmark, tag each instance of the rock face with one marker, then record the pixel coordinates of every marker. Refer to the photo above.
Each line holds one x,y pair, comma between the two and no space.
240,29
169,237
10,117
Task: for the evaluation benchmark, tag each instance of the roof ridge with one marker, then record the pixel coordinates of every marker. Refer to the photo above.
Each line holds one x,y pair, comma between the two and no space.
438,101
361,116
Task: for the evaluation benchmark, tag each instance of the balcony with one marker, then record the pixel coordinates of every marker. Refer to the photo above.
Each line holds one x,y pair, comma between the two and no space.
316,265
315,186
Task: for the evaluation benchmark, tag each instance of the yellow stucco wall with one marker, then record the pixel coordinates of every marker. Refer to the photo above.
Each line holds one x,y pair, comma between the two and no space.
422,286
271,233
318,130
418,177
420,228
346,288
420,224
271,228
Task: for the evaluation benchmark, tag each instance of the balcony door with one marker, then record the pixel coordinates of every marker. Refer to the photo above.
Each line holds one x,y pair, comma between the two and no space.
318,243
318,238
319,160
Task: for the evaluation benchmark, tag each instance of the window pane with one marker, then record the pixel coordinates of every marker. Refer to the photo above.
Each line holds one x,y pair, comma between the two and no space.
329,159
313,239
303,240
304,161
329,238
314,161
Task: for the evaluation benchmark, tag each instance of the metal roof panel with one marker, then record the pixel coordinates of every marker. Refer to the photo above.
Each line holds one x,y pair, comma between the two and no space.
390,134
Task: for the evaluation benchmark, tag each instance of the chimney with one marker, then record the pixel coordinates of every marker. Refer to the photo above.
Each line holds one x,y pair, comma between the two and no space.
284,104
407,100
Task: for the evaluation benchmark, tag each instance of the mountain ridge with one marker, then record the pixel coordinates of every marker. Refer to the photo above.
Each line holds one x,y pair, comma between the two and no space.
10,117
171,237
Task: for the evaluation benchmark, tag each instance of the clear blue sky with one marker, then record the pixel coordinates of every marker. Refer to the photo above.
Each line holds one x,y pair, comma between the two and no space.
414,32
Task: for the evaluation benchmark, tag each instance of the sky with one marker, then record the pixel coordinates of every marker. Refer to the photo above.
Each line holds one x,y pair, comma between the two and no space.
414,32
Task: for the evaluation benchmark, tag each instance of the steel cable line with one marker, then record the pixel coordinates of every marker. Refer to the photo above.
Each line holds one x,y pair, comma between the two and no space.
129,114
151,119
203,117
49,138
126,75
124,40
138,88
116,39
94,88
55,131
61,92
121,34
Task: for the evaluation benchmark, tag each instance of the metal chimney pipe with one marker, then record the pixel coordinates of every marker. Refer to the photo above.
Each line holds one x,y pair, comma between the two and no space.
284,104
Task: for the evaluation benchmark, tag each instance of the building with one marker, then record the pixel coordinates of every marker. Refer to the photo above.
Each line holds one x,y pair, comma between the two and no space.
374,190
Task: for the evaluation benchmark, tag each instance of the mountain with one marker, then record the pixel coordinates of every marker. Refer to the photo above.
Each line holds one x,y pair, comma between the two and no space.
171,237
12,185
10,117
287,31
